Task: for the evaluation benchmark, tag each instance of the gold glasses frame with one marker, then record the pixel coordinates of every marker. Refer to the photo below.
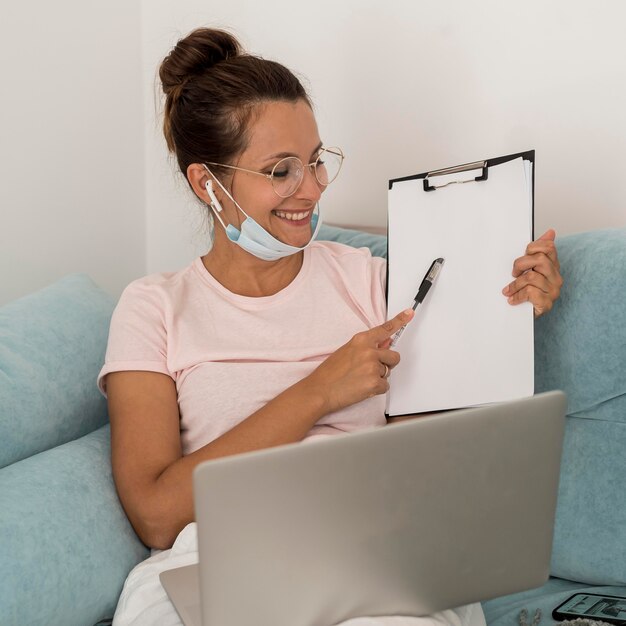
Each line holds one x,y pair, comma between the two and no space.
338,152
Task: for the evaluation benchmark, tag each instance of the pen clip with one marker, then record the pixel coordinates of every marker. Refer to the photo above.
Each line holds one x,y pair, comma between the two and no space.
434,269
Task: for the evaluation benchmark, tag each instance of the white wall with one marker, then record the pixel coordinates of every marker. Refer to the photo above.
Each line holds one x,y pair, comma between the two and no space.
71,132
402,86
405,86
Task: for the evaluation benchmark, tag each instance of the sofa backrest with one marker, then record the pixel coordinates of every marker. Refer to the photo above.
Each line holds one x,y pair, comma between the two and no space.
580,347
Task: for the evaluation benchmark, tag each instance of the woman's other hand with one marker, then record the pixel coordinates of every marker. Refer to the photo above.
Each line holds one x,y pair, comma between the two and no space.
360,368
537,276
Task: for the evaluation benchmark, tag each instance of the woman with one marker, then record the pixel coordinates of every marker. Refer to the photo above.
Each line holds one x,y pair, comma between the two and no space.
270,338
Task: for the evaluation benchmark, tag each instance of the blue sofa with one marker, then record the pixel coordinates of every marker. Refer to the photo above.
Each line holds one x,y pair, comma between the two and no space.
66,545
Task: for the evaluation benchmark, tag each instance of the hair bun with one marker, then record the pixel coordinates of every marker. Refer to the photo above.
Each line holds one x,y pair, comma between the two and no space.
194,54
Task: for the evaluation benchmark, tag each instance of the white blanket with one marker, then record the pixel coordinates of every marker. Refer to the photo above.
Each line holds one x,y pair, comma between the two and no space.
144,602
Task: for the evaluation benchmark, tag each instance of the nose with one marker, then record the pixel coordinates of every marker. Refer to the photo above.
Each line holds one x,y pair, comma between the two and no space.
310,189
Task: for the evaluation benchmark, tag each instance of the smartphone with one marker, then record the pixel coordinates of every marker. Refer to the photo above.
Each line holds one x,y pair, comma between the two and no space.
610,609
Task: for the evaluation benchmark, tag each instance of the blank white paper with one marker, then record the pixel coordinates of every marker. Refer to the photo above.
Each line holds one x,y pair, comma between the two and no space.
466,344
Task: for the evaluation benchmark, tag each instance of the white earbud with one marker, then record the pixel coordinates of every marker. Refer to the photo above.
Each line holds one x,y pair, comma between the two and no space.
215,203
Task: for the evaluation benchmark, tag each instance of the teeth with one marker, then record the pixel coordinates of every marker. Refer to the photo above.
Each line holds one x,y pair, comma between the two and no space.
292,216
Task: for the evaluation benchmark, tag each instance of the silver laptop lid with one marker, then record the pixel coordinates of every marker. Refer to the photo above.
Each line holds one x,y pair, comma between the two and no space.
409,519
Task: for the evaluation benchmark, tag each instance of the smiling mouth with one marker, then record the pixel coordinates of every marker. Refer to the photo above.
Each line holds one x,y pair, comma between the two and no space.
294,216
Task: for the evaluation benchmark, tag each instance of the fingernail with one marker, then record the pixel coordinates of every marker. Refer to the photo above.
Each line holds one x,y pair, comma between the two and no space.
407,312
506,290
510,300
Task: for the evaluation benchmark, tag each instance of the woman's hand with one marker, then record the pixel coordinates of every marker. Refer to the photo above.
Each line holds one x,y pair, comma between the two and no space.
537,275
360,368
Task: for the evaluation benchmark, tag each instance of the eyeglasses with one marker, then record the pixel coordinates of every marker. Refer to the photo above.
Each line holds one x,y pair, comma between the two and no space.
287,175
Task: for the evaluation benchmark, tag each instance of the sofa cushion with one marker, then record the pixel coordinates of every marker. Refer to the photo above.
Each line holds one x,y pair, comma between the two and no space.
580,347
581,344
67,546
52,346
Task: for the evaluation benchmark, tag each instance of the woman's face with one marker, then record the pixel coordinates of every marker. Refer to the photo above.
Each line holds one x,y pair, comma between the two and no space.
278,130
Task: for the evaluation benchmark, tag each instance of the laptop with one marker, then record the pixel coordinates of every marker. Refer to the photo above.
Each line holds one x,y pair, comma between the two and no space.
413,518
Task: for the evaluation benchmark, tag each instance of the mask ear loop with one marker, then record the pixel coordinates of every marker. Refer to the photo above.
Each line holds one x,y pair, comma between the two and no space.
215,204
214,201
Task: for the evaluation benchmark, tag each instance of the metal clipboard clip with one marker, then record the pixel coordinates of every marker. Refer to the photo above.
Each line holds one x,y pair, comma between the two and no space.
453,170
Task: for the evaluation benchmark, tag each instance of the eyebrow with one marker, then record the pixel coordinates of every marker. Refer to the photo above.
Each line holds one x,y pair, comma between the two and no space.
283,155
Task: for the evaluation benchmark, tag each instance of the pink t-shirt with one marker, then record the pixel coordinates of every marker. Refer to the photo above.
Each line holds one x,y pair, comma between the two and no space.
229,354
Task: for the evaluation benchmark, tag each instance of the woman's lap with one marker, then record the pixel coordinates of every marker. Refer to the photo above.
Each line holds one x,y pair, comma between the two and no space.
144,602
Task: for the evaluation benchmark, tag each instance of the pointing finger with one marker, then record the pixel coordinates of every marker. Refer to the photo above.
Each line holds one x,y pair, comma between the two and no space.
379,333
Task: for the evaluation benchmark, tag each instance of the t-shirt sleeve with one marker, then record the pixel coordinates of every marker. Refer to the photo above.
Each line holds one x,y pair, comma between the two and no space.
137,334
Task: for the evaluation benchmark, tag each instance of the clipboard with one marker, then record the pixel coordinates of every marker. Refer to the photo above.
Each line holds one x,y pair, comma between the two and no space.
466,346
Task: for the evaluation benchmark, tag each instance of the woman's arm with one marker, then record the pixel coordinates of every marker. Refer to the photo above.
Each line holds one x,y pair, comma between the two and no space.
154,479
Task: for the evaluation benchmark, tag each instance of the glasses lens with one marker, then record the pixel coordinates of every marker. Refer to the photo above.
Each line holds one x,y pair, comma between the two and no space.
286,176
328,165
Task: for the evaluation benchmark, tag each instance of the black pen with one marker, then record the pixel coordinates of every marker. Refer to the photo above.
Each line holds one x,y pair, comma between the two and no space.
425,286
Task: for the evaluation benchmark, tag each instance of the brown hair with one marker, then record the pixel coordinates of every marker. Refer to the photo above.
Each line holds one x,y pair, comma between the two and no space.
212,87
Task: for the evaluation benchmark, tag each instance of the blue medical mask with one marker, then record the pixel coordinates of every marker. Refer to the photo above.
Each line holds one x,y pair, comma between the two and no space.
252,237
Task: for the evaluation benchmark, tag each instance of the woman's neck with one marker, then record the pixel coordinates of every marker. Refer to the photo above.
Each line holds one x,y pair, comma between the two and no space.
244,274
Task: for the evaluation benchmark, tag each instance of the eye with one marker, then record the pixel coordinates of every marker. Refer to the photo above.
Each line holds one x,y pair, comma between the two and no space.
320,157
285,167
